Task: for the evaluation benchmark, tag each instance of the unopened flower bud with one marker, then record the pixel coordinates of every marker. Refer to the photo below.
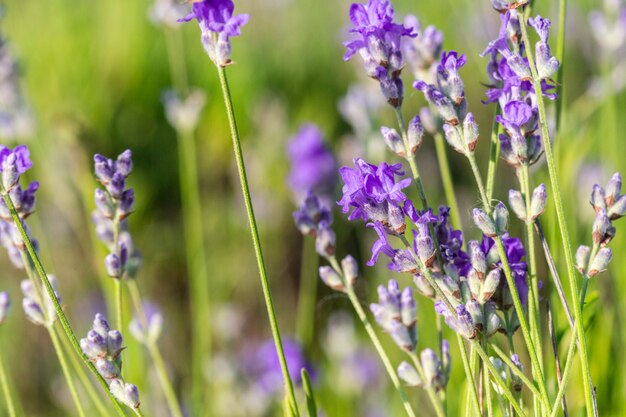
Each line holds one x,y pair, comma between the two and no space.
107,368
426,250
601,262
114,343
113,265
401,336
618,209
477,258
470,132
613,189
476,311
126,393
501,218
453,138
393,141
409,375
124,163
331,278
490,285
492,321
408,307
602,229
325,241
431,365
538,201
517,203
104,204
415,134
597,198
582,258
484,222
350,269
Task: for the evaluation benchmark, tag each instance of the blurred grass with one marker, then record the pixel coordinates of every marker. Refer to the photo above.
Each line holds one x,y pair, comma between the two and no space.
94,72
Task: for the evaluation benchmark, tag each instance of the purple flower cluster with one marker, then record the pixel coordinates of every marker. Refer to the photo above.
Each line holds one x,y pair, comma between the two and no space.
217,25
114,204
471,318
396,313
378,41
313,165
314,219
436,371
104,347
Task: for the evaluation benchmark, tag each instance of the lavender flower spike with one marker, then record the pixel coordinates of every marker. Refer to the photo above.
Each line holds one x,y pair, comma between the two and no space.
547,64
217,24
183,113
13,163
147,329
5,305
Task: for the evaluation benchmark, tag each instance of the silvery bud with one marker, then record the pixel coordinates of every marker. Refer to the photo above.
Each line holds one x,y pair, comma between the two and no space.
613,189
325,241
126,393
484,222
409,375
582,258
602,229
415,134
538,201
490,285
107,368
114,343
493,323
618,209
431,365
601,262
453,138
477,258
350,269
393,141
517,203
597,198
476,311
423,286
470,132
331,278
426,250
501,218
408,307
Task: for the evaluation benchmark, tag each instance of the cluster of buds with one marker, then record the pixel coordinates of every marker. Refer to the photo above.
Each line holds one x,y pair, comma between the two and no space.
5,305
423,52
114,204
37,305
483,277
609,205
396,313
471,318
520,144
414,139
492,225
339,280
537,203
314,219
103,347
436,372
148,327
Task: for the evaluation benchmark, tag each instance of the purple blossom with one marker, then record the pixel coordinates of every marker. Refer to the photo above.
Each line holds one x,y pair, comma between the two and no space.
216,17
313,166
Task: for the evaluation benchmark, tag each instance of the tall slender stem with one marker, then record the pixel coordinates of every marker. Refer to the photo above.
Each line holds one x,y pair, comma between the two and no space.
560,213
155,353
494,154
66,370
356,304
307,294
6,389
255,236
119,300
67,328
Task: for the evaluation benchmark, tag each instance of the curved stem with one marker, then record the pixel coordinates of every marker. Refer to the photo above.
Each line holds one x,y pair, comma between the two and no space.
66,370
67,329
255,236
560,212
432,395
356,304
446,179
6,390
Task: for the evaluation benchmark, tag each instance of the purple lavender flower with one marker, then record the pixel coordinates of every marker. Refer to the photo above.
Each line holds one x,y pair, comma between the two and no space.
5,305
147,329
217,24
396,313
165,13
313,166
547,64
13,163
378,41
373,194
460,320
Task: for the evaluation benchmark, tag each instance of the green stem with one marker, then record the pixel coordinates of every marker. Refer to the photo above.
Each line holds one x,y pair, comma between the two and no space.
67,329
6,390
118,304
356,304
307,294
558,202
176,59
446,179
84,378
255,236
486,384
469,372
432,395
494,154
471,388
155,353
66,370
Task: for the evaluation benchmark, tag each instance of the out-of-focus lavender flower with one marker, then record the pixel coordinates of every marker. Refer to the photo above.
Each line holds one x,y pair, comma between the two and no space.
264,366
5,305
147,329
314,219
114,204
373,194
183,113
424,51
436,371
313,166
547,64
609,199
166,13
377,39
608,26
396,313
40,312
103,346
359,108
218,25
16,119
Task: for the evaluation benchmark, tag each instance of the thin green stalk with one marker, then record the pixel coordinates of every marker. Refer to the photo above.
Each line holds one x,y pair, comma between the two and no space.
558,202
6,390
486,384
176,59
66,370
557,360
255,236
307,294
67,329
356,304
82,376
432,395
155,353
469,372
518,372
446,179
496,376
494,154
118,304
473,364
479,182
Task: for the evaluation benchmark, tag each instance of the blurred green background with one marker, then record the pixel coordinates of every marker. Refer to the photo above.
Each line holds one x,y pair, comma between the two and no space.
94,73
